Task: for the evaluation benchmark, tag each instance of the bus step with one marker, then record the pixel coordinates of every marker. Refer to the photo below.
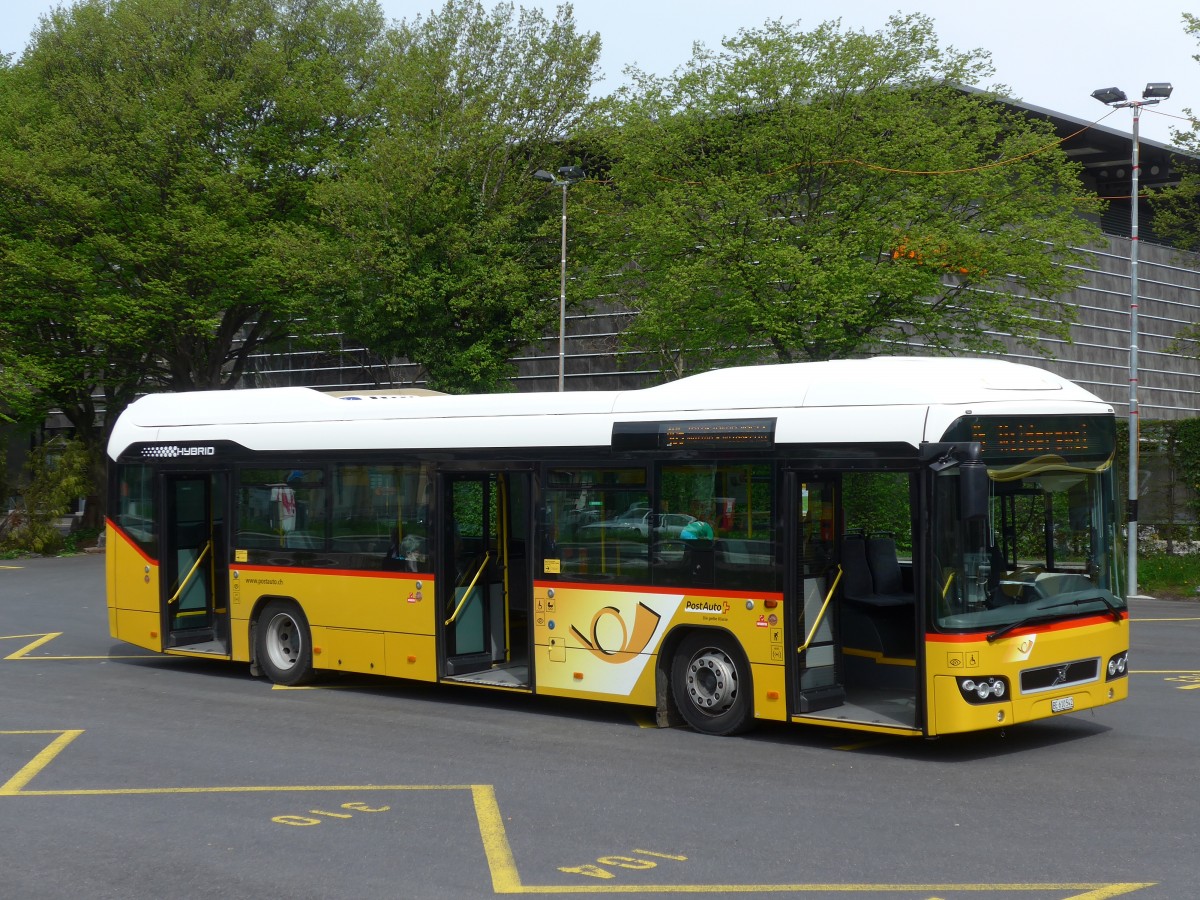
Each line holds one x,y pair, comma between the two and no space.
822,698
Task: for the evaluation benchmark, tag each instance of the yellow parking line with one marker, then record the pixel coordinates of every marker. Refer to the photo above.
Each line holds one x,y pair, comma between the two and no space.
23,653
30,770
506,878
43,638
1091,891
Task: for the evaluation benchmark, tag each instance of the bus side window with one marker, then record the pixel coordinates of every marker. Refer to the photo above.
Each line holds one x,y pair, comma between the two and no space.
380,516
136,512
716,526
282,509
598,524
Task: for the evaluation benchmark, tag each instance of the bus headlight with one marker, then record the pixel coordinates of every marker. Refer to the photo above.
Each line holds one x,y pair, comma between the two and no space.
1118,666
983,690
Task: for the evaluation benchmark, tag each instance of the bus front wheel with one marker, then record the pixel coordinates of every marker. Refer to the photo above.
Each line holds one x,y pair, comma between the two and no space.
710,681
284,650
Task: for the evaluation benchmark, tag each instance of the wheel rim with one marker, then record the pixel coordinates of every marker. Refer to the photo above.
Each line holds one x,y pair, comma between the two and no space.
283,642
712,681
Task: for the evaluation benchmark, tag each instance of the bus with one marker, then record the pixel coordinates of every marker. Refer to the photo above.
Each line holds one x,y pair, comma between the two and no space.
906,546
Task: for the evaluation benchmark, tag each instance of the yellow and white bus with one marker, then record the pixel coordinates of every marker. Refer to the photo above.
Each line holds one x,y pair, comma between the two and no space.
899,545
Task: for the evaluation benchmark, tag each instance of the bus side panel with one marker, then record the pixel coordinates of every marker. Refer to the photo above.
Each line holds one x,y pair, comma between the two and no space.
578,673
598,643
411,656
347,650
359,601
770,691
239,629
373,623
1046,650
133,593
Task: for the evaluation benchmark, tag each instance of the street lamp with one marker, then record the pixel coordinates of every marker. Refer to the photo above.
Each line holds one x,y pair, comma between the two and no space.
1155,92
567,176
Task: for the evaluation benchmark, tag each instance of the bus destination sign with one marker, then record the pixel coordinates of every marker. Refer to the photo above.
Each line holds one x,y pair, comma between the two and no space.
695,434
1065,436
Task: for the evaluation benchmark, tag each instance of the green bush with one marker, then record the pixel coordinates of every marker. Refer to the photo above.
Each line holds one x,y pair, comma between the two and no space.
55,475
1169,575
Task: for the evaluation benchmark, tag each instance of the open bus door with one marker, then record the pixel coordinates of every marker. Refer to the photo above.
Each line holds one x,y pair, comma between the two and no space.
484,580
819,677
857,620
195,583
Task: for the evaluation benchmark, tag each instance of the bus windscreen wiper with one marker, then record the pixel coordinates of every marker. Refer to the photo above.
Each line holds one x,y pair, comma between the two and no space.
1013,626
1030,620
1079,601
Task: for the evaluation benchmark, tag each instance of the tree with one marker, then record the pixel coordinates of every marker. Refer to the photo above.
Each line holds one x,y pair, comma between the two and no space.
157,163
444,256
817,195
1177,209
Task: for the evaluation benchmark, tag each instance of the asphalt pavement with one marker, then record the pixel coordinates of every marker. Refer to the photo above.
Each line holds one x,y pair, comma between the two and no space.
129,775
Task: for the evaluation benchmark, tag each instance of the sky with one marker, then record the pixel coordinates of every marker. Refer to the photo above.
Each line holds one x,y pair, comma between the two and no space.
1050,53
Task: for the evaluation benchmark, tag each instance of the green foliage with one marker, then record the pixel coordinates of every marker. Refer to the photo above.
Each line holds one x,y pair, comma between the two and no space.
1169,575
445,256
56,474
157,160
1179,442
816,195
1187,457
5,490
879,502
164,151
1177,208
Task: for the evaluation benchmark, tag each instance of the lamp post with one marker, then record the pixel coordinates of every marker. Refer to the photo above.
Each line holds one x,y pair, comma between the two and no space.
1155,92
567,176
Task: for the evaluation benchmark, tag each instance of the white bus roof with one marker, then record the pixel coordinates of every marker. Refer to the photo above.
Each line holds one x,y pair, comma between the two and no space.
912,399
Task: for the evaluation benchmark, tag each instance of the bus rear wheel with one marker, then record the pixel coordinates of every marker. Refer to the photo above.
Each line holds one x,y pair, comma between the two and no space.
284,644
710,681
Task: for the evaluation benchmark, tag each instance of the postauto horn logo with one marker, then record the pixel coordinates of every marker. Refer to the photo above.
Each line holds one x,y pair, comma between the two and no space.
174,451
604,643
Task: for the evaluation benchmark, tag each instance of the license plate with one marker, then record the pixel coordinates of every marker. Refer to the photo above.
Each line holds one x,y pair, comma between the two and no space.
1062,704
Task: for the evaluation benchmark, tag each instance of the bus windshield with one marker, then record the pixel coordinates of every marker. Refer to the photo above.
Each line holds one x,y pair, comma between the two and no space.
1048,547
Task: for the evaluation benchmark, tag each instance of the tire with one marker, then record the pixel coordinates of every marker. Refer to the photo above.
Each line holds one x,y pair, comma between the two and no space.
283,644
711,684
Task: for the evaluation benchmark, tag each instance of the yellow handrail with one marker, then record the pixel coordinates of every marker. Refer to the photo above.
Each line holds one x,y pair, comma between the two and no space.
949,581
821,615
188,578
467,594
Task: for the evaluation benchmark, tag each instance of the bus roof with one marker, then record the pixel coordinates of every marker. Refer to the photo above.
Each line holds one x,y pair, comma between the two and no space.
904,389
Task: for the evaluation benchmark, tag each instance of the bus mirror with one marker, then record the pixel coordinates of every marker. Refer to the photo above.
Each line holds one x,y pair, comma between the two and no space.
974,490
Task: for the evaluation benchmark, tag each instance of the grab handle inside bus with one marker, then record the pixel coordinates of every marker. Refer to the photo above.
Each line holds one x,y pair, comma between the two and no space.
821,615
191,573
467,593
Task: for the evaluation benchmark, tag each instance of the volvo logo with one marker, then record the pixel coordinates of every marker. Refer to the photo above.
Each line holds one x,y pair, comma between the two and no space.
1060,676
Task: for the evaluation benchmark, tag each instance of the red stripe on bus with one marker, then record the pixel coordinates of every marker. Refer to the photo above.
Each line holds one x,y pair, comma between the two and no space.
1035,628
693,590
356,573
121,533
